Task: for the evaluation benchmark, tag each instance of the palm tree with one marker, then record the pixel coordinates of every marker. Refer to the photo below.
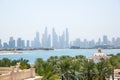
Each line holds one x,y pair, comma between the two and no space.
64,65
76,67
115,63
103,69
89,71
5,62
46,69
24,63
39,66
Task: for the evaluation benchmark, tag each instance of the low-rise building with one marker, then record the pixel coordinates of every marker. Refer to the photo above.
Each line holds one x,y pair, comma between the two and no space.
116,74
99,55
14,73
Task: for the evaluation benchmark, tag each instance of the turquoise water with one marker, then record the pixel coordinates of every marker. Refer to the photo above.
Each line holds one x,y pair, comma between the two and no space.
32,55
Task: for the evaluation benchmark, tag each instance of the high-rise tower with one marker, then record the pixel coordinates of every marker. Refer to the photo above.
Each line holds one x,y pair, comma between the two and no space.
37,41
19,43
105,40
54,39
11,43
28,44
0,43
67,38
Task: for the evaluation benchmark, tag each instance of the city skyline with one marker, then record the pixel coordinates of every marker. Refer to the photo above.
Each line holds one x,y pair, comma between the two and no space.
88,19
5,39
55,40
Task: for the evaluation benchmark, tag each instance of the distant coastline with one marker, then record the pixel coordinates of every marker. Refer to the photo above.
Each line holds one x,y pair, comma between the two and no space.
96,47
16,50
10,52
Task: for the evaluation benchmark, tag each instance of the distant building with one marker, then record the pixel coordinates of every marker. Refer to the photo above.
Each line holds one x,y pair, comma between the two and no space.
67,38
14,73
23,43
11,43
105,40
118,42
77,43
28,44
99,42
32,44
85,42
99,55
113,41
5,45
37,40
0,43
49,41
62,41
19,43
54,39
46,39
91,44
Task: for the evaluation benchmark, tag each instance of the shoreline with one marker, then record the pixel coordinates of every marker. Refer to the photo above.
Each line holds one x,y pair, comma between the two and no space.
22,51
33,55
10,52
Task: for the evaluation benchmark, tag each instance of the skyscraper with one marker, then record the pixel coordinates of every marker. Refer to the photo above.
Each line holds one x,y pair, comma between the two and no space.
0,43
32,44
19,43
62,41
105,40
5,45
45,38
46,41
49,41
118,41
37,41
28,44
85,42
23,43
91,44
99,42
67,38
54,39
113,41
76,43
11,43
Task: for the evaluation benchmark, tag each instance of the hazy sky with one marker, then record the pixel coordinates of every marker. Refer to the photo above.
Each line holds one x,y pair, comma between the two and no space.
89,19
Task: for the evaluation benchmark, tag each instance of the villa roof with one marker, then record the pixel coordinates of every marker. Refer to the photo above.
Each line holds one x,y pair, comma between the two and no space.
99,54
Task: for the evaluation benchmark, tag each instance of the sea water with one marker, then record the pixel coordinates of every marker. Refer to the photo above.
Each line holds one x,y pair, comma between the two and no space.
45,54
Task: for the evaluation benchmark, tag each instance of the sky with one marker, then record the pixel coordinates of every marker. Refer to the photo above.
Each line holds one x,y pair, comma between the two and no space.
88,19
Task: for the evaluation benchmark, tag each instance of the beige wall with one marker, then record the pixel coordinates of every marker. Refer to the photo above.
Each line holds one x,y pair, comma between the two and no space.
12,74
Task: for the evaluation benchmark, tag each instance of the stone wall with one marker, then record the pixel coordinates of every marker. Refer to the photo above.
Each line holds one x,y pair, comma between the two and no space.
16,74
